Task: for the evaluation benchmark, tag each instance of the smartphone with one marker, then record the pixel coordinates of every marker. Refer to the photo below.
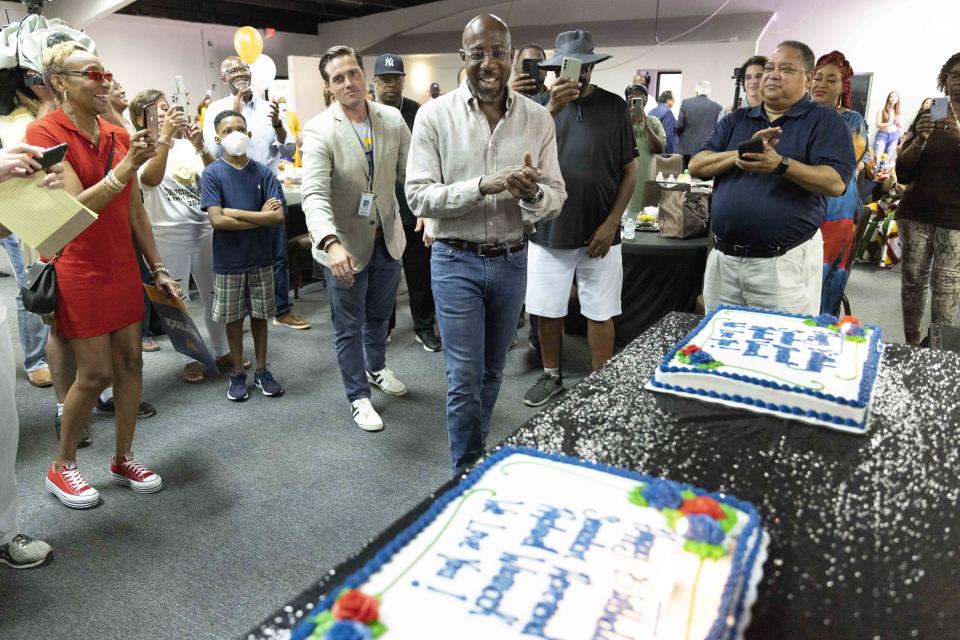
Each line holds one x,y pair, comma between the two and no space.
938,110
570,69
150,119
530,66
179,100
53,155
753,145
636,107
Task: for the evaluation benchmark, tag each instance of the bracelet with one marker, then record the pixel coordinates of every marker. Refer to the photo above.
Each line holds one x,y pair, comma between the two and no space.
114,181
159,268
330,242
163,141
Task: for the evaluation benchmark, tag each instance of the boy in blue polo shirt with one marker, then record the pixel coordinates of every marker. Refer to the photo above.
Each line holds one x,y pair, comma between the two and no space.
243,199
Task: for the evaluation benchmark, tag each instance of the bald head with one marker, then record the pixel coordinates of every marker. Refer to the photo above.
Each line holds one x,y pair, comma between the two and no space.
484,24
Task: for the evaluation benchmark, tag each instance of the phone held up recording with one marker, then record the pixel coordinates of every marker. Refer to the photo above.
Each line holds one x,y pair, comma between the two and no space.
938,109
151,122
570,69
530,66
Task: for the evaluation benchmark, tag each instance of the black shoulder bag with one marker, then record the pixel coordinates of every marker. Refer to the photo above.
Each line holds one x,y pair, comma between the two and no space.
39,293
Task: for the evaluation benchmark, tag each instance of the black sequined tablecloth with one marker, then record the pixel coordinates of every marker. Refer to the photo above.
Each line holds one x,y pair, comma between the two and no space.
863,528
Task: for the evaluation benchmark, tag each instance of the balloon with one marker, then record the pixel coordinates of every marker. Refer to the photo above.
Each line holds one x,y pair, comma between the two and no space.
249,44
263,72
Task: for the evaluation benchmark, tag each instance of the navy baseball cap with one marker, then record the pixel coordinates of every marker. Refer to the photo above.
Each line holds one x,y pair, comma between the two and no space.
388,63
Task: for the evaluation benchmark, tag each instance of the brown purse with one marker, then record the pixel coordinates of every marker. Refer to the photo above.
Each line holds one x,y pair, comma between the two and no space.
682,214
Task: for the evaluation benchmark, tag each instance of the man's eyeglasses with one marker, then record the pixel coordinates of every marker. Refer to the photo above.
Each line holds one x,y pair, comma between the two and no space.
93,74
477,55
236,71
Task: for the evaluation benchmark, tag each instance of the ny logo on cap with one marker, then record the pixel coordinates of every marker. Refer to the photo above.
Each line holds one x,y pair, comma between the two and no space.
388,62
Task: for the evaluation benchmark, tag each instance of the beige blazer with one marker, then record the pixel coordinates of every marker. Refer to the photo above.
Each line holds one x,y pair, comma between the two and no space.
335,174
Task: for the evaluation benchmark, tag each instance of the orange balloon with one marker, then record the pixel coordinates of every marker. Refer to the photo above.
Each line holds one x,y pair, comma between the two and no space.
249,44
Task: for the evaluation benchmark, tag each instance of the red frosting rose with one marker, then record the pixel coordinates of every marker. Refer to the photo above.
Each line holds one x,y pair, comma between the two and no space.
690,349
848,319
356,605
703,505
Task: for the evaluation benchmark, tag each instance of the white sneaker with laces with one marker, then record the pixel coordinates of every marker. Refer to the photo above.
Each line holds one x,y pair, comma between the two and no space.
23,552
387,382
366,416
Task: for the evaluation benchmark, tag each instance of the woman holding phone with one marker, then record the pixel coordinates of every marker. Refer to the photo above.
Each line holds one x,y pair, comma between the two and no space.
99,296
171,190
929,213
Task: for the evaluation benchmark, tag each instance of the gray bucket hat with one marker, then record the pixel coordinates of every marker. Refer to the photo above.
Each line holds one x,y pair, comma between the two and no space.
574,44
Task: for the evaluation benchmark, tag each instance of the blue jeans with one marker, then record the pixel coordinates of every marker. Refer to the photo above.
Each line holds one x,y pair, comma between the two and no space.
281,271
478,302
886,142
33,333
361,314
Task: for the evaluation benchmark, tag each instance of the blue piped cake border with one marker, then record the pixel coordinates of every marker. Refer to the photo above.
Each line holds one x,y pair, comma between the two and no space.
870,370
741,563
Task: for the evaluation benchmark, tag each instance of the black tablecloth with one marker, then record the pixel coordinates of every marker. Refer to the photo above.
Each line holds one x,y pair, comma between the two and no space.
660,275
863,529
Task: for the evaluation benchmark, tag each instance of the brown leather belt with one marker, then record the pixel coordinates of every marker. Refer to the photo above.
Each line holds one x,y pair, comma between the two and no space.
486,250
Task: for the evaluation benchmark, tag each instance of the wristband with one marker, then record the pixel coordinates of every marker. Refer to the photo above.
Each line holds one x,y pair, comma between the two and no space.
330,242
165,141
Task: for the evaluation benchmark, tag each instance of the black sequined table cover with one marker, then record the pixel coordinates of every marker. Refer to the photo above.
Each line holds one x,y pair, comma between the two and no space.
863,529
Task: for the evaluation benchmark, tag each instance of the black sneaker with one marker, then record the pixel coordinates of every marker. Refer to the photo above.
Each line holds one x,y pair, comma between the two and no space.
429,340
85,440
146,409
547,386
237,391
265,382
23,552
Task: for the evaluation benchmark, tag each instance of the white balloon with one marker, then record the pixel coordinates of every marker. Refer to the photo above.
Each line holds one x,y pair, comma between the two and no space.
263,72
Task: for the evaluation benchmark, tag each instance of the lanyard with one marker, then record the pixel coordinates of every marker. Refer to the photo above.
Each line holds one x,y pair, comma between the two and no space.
368,153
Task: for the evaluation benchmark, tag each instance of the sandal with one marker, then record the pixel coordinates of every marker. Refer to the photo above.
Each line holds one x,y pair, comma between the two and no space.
192,373
225,363
148,344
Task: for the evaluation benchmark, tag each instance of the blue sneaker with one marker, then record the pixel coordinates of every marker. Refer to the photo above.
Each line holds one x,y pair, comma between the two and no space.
237,391
265,382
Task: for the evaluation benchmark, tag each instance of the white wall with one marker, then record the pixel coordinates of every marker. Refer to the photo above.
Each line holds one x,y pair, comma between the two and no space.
147,53
920,36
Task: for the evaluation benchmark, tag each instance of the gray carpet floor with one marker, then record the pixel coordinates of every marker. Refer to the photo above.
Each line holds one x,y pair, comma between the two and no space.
260,497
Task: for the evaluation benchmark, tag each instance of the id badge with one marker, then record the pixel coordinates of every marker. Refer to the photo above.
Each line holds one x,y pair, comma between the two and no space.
366,204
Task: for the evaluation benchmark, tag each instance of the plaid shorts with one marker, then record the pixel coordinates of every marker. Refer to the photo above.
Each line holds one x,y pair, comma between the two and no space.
238,294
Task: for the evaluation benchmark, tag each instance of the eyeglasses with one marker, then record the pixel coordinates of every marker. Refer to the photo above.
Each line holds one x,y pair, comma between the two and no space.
233,71
93,74
477,55
953,76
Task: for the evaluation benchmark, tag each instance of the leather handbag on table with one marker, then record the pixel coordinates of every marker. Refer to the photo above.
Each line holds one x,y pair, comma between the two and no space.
39,293
682,214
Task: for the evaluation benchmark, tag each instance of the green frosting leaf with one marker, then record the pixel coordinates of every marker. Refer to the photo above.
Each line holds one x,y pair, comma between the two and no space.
377,628
636,496
324,621
730,518
855,338
810,322
704,550
683,358
713,364
687,494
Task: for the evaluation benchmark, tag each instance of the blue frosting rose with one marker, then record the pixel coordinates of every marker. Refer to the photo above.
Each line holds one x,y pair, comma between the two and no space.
825,319
662,494
856,330
701,357
703,528
348,630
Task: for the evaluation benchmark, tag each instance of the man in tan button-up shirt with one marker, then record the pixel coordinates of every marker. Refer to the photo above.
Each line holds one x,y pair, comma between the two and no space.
482,170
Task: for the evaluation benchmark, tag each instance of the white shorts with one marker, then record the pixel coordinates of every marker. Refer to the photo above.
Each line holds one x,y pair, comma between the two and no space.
550,273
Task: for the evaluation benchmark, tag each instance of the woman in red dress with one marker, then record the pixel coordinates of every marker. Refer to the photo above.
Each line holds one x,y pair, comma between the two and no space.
99,295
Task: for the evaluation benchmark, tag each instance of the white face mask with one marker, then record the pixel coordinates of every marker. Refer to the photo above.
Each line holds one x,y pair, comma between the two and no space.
236,143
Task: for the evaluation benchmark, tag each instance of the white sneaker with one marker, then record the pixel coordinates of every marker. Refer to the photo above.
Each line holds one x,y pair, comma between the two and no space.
387,382
23,552
366,416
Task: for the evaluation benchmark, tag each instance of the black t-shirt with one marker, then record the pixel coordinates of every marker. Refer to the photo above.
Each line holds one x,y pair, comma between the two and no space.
408,109
594,142
933,195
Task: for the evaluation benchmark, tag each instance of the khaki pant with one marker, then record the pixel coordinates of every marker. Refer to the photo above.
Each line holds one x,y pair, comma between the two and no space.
9,434
791,282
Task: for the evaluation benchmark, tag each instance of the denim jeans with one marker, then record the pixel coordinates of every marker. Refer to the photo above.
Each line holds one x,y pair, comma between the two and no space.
478,302
281,271
361,314
33,333
886,142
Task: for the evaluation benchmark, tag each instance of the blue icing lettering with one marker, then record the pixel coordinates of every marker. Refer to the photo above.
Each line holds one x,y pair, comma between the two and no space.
546,522
783,354
496,506
475,536
588,533
637,544
787,337
753,349
818,360
455,596
818,338
724,343
760,333
488,602
619,607
735,325
452,566
546,608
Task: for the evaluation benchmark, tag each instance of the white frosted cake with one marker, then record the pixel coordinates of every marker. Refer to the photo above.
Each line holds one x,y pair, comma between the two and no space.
539,545
819,369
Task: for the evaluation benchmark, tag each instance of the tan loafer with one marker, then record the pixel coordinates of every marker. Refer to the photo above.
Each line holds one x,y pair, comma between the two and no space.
40,378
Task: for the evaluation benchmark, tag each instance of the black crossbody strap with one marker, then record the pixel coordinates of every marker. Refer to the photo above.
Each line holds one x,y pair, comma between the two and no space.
113,141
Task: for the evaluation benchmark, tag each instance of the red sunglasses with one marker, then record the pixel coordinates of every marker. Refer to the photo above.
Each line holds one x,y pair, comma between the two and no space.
93,74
